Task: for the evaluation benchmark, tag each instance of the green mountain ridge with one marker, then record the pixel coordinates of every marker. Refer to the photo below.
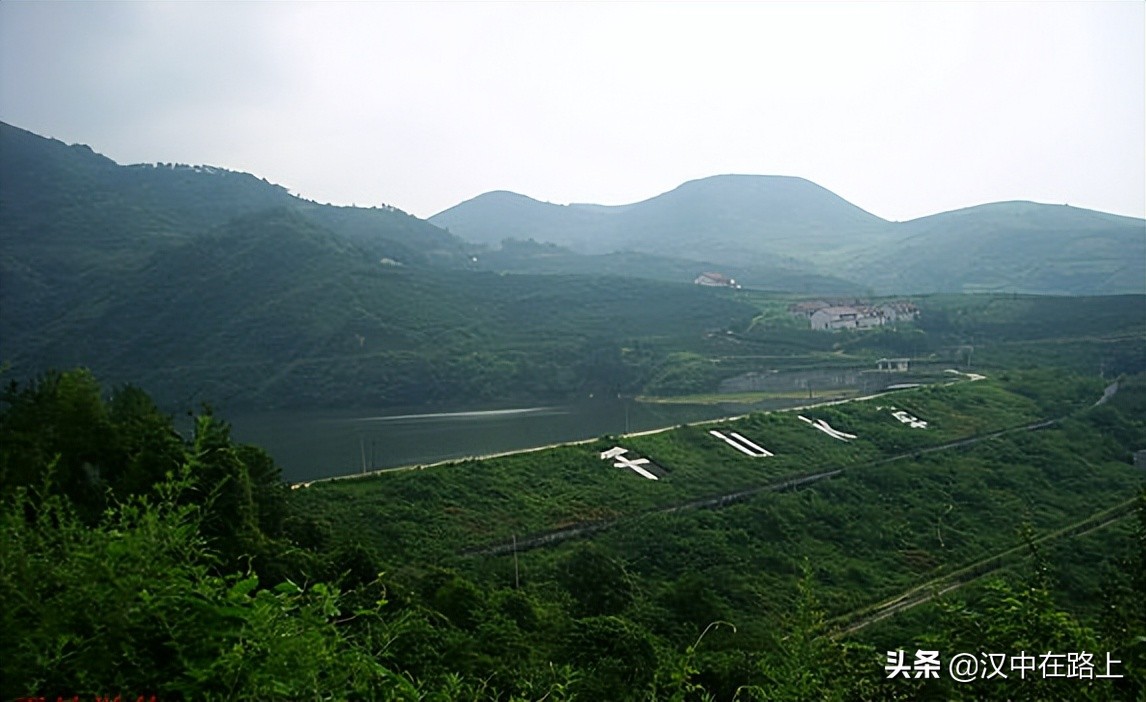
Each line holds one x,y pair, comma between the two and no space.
68,211
274,310
252,297
74,225
202,283
711,219
761,220
1025,246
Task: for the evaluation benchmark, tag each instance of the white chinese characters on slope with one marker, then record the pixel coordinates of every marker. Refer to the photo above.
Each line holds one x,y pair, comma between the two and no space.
742,444
827,429
906,418
637,465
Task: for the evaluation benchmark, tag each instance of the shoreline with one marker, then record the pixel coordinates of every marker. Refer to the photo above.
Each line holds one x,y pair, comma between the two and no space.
578,442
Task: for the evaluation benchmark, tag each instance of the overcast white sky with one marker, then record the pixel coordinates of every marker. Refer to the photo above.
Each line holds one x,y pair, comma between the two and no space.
905,109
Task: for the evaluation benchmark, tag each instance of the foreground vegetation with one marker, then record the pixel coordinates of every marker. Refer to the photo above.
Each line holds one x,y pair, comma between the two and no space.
663,563
211,579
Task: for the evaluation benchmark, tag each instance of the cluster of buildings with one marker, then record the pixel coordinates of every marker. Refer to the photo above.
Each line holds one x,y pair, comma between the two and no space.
831,316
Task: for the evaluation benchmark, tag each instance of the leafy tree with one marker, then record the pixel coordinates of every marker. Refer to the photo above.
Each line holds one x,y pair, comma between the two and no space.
807,662
147,444
1123,621
619,658
461,601
797,669
597,582
1016,620
104,451
693,603
58,419
133,605
268,491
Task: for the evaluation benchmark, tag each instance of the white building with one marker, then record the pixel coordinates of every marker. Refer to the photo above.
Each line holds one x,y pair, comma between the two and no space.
899,311
894,365
833,318
715,280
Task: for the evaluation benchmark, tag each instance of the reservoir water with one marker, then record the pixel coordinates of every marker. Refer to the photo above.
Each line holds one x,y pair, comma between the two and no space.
319,444
324,443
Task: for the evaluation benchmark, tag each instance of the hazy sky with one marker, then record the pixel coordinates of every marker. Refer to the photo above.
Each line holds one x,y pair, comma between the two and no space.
905,109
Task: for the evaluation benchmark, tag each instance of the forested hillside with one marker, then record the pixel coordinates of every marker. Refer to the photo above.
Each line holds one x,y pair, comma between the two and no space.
775,274
1013,246
206,284
273,310
79,233
70,215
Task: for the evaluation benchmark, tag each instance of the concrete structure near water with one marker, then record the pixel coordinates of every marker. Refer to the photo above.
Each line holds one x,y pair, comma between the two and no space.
894,365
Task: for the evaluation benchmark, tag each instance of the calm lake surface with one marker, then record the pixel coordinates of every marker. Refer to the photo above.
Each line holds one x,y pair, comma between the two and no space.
323,443
319,444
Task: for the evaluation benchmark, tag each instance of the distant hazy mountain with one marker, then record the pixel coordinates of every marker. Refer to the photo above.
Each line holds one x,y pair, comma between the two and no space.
770,220
723,218
1012,246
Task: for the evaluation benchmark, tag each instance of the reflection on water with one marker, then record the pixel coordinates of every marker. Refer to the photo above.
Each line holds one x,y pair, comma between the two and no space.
481,414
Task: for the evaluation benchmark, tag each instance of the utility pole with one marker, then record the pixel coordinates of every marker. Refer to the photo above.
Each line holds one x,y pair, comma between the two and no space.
516,573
